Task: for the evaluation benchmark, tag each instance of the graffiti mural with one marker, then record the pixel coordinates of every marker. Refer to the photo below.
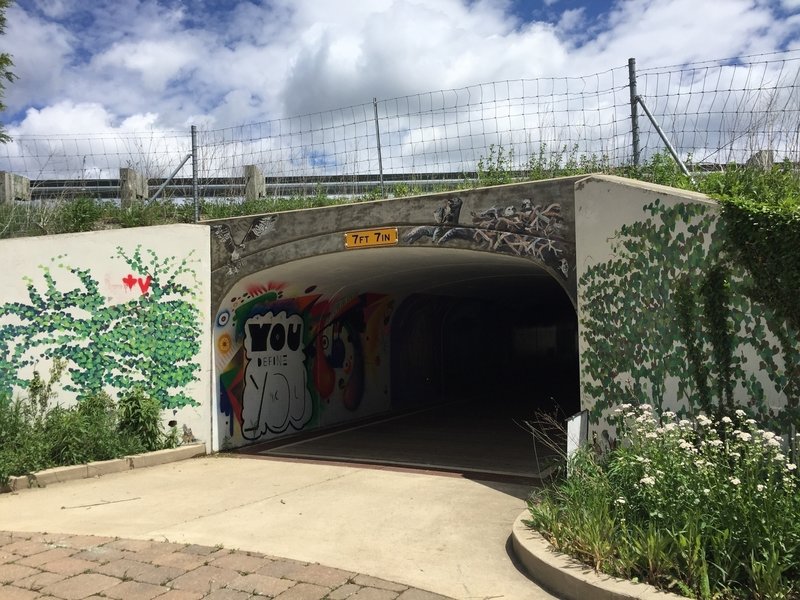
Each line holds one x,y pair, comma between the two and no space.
150,340
275,394
522,229
296,359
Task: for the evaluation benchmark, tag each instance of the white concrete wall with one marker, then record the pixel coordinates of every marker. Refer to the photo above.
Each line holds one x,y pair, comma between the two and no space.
635,241
125,320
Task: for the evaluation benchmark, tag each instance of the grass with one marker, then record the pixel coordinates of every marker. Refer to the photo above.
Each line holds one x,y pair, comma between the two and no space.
37,434
707,509
499,166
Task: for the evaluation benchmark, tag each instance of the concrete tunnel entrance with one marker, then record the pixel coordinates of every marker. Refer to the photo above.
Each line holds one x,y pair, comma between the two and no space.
478,343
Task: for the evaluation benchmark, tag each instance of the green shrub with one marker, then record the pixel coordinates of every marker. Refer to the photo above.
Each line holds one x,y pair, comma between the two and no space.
78,214
707,509
496,169
140,419
36,436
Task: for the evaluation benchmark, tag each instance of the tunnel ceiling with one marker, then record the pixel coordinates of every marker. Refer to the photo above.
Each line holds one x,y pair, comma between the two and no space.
426,270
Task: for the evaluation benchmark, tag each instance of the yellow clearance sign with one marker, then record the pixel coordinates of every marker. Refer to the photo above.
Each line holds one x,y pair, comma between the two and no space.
371,238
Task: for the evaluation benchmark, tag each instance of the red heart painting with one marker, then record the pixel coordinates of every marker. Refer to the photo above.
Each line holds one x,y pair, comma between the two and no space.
144,284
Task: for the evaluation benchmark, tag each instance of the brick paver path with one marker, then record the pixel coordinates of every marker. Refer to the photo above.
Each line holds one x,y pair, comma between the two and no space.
80,567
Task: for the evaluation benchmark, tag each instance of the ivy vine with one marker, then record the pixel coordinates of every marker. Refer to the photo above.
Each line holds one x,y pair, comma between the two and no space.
671,306
150,341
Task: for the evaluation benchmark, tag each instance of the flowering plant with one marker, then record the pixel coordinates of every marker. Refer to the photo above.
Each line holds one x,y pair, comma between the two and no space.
707,508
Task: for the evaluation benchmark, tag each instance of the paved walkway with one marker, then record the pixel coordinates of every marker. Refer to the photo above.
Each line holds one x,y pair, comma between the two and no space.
444,534
83,567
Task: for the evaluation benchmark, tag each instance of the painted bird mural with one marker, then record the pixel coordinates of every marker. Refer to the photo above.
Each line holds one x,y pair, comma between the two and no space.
258,227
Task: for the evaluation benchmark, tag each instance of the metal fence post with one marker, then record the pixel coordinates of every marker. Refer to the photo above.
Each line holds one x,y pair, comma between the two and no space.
665,139
634,110
378,138
195,194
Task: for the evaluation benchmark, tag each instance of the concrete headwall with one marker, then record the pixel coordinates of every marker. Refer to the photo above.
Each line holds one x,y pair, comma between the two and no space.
530,220
298,348
243,341
121,308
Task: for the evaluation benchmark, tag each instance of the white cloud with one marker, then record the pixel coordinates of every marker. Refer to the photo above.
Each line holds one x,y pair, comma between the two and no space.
110,65
153,62
41,52
65,117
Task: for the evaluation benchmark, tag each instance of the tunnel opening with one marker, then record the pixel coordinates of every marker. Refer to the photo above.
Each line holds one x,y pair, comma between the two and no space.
478,344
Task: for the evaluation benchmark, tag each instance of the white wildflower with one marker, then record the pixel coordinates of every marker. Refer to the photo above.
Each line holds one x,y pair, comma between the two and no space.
684,423
734,480
715,443
740,413
684,445
768,435
774,443
760,487
726,420
651,435
744,436
791,467
706,491
648,480
750,421
668,414
703,421
779,457
645,407
620,500
670,427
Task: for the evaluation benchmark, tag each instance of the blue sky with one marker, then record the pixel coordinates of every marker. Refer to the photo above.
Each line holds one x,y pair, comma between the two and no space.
105,65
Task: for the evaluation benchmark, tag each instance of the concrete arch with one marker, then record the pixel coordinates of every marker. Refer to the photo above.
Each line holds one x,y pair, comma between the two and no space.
273,274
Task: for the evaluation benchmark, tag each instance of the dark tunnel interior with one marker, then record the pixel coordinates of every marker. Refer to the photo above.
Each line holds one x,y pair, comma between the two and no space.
479,344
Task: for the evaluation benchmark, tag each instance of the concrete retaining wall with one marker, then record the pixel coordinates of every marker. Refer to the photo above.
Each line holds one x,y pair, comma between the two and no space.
296,345
121,308
636,242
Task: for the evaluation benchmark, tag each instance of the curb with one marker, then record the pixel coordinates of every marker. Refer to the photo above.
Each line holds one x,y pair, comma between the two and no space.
570,579
103,467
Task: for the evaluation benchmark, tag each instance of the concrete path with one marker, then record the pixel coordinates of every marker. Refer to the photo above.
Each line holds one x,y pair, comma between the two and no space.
444,534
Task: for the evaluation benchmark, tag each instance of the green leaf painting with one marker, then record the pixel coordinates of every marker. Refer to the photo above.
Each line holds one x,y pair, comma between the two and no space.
651,318
150,341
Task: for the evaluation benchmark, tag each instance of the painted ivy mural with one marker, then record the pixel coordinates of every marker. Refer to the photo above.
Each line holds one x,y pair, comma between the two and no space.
150,341
648,326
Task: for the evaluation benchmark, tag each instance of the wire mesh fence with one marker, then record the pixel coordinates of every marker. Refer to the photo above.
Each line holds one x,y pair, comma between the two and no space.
713,112
725,111
95,156
446,131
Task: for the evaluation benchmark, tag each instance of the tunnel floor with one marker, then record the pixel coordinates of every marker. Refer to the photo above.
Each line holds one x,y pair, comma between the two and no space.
469,438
